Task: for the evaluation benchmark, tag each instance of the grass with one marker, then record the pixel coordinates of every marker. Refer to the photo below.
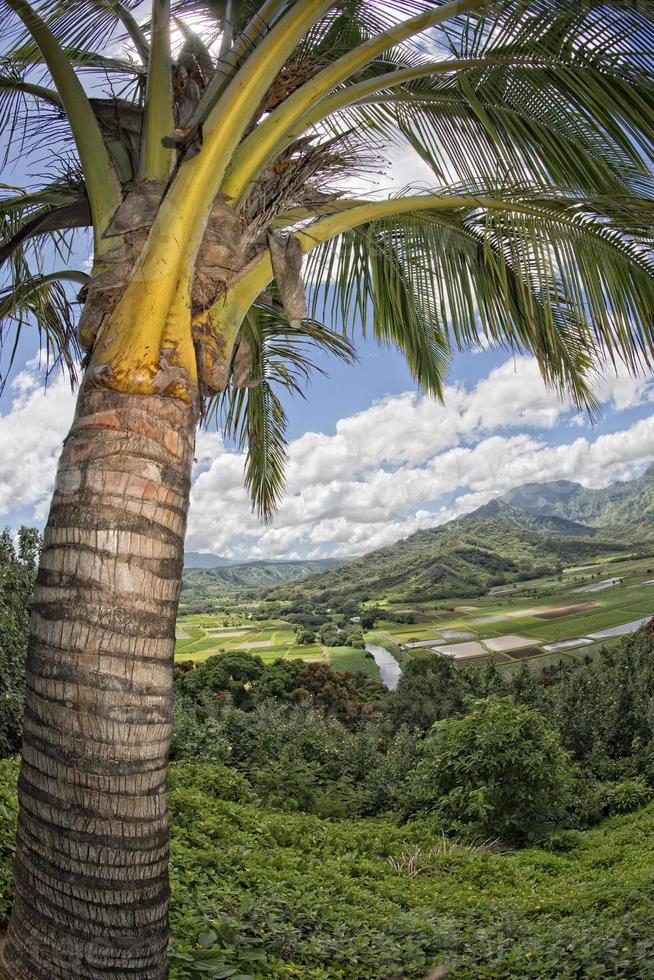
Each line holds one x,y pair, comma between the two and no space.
202,644
345,658
630,601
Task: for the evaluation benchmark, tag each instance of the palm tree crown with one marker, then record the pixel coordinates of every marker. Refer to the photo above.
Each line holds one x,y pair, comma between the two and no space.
214,170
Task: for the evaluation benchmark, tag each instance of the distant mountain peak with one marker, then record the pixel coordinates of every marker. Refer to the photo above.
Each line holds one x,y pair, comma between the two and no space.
204,559
622,502
546,523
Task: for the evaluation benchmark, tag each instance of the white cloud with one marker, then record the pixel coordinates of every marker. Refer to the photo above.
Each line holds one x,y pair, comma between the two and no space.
404,464
31,434
387,471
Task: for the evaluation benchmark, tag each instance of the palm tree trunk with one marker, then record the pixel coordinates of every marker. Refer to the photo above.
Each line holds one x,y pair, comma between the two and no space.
91,876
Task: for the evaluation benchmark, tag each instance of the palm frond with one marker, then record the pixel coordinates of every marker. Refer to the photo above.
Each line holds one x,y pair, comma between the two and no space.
45,213
254,416
553,277
41,301
541,106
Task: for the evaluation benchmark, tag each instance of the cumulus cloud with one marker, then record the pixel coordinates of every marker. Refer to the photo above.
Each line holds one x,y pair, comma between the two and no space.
404,464
408,463
31,434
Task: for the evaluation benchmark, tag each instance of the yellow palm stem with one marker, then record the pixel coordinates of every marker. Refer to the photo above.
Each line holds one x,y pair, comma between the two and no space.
156,157
157,297
270,136
229,312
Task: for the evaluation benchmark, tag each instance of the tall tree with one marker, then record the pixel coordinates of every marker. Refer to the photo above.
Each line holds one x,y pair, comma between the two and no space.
209,146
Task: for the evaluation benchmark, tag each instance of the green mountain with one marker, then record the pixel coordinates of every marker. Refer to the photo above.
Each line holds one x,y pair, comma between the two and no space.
465,557
627,502
201,585
204,559
546,523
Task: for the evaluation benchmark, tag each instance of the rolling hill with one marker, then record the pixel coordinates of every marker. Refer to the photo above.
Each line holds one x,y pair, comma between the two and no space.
465,557
532,530
201,585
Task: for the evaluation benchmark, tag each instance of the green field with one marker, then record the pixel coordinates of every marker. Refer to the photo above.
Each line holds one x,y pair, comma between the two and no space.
200,637
534,610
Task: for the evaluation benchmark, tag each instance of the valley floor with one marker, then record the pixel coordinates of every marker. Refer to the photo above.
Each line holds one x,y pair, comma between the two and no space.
544,621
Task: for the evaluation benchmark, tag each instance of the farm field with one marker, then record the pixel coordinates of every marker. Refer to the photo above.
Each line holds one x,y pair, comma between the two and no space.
200,637
543,620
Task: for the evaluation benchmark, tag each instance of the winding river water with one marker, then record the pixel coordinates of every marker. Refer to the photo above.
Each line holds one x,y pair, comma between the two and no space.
389,668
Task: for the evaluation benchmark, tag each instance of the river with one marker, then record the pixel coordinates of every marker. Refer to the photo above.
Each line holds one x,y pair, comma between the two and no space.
389,668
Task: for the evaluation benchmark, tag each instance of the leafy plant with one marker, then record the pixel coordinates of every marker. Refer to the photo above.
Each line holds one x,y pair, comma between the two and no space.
500,769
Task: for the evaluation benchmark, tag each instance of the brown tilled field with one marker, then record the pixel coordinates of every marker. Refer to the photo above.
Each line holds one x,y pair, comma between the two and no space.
558,612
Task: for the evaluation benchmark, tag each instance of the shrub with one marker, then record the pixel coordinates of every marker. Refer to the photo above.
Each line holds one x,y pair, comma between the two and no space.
622,797
500,770
197,733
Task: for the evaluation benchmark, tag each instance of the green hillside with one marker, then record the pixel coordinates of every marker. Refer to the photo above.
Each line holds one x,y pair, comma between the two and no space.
465,557
269,895
202,585
545,524
628,502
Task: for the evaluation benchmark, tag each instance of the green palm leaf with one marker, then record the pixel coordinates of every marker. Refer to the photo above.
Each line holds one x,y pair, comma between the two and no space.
282,360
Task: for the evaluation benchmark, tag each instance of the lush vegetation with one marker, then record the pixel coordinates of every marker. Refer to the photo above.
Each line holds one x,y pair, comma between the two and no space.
325,827
17,573
513,755
263,894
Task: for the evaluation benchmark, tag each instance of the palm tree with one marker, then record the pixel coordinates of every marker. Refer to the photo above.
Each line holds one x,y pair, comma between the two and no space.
214,171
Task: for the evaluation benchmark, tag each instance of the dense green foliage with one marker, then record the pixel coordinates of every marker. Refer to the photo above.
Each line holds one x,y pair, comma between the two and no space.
244,680
17,572
266,895
483,752
500,769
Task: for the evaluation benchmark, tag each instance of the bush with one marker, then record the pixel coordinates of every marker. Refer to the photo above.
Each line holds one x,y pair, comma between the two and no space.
500,770
197,733
622,797
605,709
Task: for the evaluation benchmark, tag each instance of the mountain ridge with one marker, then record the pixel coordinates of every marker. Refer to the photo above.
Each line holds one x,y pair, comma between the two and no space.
202,585
532,530
622,502
463,558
